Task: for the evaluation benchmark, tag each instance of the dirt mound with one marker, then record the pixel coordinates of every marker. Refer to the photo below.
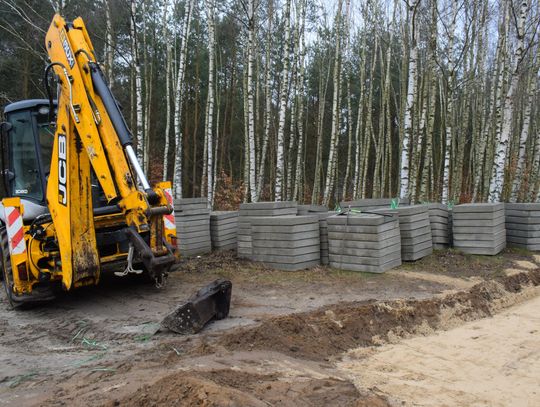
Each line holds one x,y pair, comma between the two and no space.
233,388
334,329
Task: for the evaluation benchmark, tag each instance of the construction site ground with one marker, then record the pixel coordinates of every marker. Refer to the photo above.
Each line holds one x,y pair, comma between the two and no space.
451,329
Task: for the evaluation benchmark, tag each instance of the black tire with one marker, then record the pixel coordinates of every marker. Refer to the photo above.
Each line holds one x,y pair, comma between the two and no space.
38,295
7,272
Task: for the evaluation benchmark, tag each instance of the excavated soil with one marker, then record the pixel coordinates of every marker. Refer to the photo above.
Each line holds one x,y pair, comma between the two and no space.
230,388
284,343
337,328
321,336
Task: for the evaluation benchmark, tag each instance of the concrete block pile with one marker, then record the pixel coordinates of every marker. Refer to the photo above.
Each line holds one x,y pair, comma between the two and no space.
364,242
523,225
192,218
415,228
223,229
311,209
322,212
286,242
479,228
258,209
371,203
440,228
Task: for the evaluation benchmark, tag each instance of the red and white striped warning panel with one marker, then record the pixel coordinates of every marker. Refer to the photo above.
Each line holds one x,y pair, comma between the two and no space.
169,219
15,231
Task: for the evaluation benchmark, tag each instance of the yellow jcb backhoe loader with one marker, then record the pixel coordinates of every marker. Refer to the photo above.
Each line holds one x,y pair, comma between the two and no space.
76,201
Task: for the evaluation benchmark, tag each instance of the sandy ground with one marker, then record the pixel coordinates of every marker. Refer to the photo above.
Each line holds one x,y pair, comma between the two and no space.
489,362
286,343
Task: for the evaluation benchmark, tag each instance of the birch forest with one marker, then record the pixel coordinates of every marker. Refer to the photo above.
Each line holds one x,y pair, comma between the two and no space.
311,100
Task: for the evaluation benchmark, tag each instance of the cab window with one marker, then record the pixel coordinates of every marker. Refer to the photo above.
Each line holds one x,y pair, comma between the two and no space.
24,161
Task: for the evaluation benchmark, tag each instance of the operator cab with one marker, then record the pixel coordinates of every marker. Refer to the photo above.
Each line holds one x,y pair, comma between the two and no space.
25,158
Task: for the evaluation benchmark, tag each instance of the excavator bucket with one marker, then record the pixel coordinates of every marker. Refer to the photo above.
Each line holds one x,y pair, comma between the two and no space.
210,302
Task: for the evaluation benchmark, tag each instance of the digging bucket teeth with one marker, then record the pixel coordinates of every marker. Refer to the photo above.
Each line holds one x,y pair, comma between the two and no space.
210,302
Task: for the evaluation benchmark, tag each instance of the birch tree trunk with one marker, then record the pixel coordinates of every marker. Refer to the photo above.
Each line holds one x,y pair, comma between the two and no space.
209,130
251,102
168,64
348,72
179,98
109,45
280,167
332,155
498,178
409,107
481,120
148,71
268,103
139,129
358,135
298,179
427,174
449,104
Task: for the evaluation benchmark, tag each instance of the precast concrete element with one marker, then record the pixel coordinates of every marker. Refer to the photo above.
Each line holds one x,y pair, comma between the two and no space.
364,242
439,222
223,230
479,228
192,218
523,225
286,242
367,204
258,209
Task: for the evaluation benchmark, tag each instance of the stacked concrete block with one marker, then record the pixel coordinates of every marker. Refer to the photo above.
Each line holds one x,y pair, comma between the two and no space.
368,204
523,225
439,222
415,228
364,242
323,236
223,229
192,218
286,242
258,209
311,209
479,228
322,212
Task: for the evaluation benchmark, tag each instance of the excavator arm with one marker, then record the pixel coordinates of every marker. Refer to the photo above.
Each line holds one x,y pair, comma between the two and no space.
93,143
100,209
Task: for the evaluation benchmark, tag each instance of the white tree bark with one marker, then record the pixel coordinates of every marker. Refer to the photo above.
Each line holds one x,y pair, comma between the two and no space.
178,139
109,44
409,106
268,104
332,155
251,101
358,168
283,98
139,129
209,131
168,64
298,179
497,181
450,103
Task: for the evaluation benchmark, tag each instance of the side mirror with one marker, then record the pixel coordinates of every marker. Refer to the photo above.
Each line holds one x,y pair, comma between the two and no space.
5,128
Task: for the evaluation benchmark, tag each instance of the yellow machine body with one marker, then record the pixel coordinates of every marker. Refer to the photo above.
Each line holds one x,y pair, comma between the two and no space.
74,241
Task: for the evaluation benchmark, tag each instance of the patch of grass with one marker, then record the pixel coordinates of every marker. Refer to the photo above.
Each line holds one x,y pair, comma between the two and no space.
92,343
144,337
21,378
87,360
